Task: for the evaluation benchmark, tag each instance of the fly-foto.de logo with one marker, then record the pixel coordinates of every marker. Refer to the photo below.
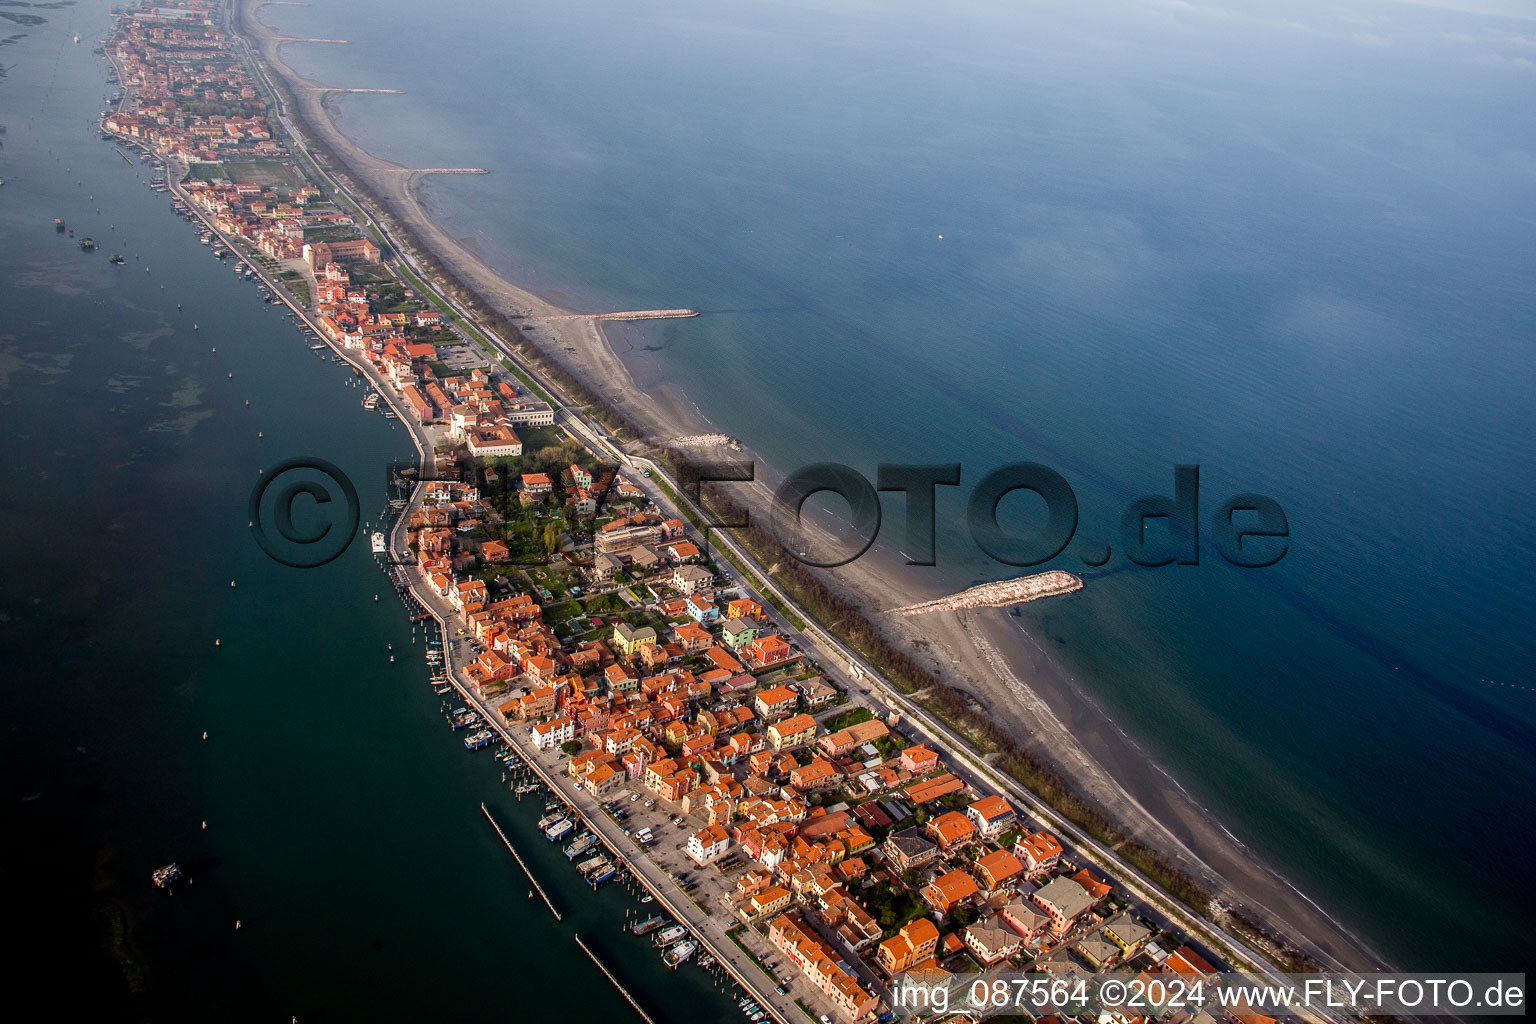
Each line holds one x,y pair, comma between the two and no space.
1247,530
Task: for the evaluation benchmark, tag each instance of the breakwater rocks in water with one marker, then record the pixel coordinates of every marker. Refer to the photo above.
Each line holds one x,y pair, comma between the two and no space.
1000,594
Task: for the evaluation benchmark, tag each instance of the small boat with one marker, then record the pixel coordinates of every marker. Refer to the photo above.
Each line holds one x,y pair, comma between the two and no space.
477,740
671,935
548,820
164,876
649,925
58,225
597,878
87,244
378,543
707,961
465,720
678,953
559,830
587,867
117,259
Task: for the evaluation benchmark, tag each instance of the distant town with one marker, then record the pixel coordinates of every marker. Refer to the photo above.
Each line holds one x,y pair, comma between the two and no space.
814,833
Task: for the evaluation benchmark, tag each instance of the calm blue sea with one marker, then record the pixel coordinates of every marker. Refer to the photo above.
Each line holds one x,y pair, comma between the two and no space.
1288,242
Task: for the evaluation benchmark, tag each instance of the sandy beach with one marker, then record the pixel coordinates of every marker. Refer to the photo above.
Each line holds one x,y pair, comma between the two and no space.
984,652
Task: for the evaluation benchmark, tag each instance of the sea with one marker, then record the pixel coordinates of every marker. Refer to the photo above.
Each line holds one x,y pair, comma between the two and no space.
1289,243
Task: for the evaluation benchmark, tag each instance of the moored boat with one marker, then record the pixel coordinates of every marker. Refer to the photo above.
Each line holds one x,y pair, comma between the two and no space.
671,935
559,830
164,876
477,740
678,953
580,846
649,925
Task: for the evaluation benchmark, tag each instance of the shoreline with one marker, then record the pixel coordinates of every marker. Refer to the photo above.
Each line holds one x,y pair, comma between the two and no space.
1069,729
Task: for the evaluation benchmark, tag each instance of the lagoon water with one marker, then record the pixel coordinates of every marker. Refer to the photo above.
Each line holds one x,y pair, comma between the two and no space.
1287,242
343,821
1291,246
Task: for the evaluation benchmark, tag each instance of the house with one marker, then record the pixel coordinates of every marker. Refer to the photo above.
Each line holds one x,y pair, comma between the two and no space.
919,759
814,777
547,735
951,831
915,943
537,483
702,609
687,579
794,731
1063,901
773,900
493,552
692,637
990,943
1039,852
1096,951
1128,934
996,870
1025,919
744,607
949,891
775,702
936,788
768,652
738,632
708,844
993,816
909,850
629,639
838,743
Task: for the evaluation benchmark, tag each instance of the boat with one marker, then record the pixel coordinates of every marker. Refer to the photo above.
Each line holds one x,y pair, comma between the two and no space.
678,953
465,720
671,935
58,225
649,925
548,820
592,864
116,258
707,961
164,876
525,789
378,543
559,830
475,741
597,878
370,401
87,244
580,846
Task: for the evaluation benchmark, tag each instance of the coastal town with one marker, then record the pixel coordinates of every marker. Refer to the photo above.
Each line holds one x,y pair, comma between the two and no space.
674,710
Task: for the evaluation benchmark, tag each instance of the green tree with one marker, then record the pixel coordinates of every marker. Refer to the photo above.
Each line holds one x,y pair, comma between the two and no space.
962,916
571,748
551,538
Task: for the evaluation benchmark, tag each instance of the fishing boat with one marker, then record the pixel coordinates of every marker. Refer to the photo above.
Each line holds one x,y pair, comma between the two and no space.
548,820
475,741
164,876
465,720
607,874
678,953
580,846
671,935
649,925
559,830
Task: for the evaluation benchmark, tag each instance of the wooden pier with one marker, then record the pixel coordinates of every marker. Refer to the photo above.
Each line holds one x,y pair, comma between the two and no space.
518,857
622,990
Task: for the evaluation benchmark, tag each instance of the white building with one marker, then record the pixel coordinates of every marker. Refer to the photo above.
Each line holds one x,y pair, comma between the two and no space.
548,735
708,844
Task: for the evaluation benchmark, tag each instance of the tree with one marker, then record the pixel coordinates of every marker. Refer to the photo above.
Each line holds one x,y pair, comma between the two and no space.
570,748
551,538
962,916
